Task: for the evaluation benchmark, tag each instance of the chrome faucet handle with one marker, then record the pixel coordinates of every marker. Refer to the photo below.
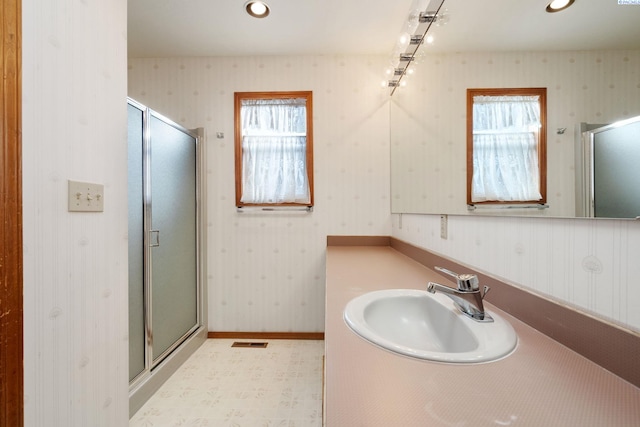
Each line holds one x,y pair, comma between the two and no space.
485,289
466,282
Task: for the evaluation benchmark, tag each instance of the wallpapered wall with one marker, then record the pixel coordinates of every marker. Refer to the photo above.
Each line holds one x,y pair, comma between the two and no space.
75,264
589,264
266,270
429,145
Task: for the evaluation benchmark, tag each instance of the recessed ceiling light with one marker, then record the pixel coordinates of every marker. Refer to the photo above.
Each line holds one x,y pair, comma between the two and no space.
558,5
257,9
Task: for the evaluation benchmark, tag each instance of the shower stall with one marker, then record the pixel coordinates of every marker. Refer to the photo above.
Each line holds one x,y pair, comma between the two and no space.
607,172
166,268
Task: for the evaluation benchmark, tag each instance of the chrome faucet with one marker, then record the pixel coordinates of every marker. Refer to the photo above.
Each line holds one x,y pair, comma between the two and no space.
467,298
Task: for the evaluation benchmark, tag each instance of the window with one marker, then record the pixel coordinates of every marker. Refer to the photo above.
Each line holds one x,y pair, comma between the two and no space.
274,148
506,146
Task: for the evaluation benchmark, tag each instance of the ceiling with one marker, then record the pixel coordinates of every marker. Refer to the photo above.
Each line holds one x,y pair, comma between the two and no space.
294,27
320,27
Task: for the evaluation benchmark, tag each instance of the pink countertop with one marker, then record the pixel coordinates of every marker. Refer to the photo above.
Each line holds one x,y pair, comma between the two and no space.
541,384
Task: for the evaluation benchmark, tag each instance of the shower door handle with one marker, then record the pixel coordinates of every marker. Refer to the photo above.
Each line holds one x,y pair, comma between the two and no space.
157,235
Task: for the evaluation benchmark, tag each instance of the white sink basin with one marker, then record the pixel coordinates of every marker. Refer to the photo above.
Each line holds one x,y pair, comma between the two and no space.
427,326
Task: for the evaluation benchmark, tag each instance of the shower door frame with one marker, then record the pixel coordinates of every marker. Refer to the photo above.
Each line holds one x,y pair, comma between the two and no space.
159,369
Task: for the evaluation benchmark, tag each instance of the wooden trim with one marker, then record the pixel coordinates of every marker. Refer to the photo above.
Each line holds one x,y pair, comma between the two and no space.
237,103
11,263
542,141
542,138
469,143
268,335
237,137
358,241
310,169
605,344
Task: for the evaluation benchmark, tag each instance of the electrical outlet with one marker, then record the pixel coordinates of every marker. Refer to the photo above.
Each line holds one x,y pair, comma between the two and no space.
85,197
443,226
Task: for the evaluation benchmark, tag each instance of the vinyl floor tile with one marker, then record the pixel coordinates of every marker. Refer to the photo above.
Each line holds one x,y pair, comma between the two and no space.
220,386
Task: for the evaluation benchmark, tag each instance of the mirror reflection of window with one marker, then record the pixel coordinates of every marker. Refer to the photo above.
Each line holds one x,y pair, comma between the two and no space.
506,151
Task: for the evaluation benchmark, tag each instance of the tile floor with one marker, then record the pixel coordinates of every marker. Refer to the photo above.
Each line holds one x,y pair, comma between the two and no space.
220,385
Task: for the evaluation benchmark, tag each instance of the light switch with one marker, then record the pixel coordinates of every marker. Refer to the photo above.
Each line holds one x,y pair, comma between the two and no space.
86,197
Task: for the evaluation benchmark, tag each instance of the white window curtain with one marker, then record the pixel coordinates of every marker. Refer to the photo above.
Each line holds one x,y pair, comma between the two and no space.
274,148
505,149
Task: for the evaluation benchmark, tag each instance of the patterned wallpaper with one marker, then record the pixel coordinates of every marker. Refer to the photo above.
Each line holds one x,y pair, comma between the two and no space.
429,118
266,270
75,264
589,264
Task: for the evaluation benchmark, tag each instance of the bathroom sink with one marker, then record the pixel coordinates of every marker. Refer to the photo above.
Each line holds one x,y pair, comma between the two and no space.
427,326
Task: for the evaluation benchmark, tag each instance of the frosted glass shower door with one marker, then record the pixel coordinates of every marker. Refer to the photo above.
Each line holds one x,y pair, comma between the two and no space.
166,316
172,235
164,247
616,156
607,172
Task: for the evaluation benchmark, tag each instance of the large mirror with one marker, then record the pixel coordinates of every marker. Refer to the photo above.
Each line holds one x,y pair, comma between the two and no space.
588,58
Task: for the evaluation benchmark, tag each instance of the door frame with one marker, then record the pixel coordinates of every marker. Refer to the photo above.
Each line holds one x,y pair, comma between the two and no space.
11,255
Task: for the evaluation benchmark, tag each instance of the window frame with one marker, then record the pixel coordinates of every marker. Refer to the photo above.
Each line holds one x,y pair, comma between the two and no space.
238,98
541,135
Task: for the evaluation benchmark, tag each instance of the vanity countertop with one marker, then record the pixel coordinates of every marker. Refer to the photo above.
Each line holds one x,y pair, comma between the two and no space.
542,383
